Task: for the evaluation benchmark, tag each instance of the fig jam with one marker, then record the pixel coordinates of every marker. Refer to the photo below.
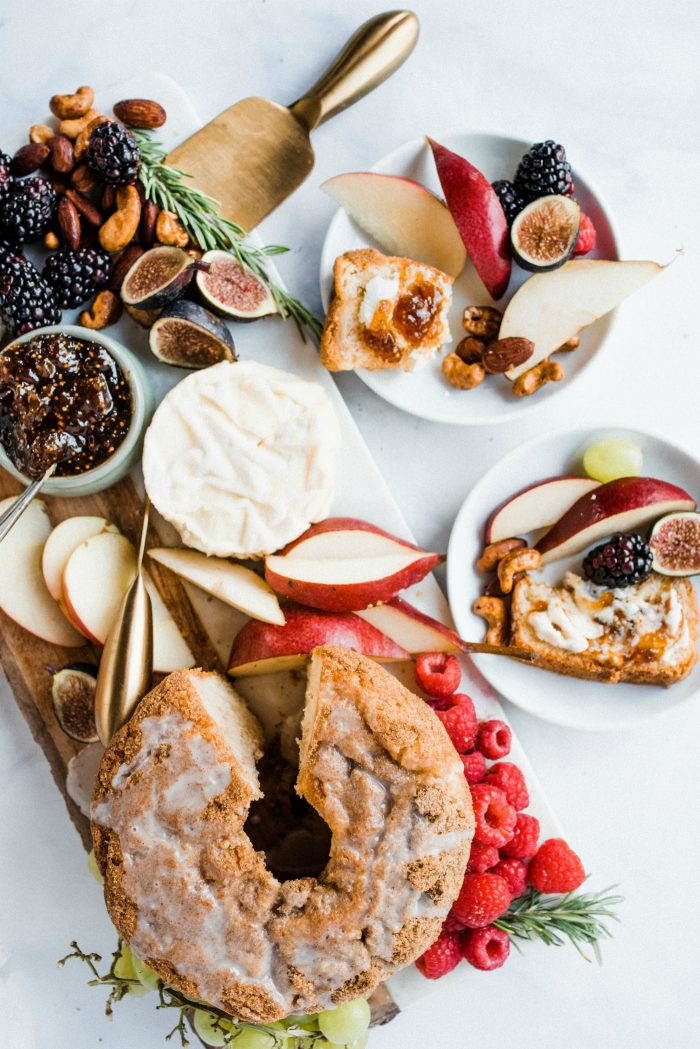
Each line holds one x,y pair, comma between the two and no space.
415,311
62,400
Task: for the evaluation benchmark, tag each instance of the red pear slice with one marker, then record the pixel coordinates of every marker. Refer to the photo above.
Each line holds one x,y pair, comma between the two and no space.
538,506
413,630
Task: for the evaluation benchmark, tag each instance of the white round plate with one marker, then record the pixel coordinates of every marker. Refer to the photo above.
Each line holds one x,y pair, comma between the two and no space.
425,392
563,700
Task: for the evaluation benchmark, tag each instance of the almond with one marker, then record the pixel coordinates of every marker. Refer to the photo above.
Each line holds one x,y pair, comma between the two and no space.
28,158
122,266
140,112
503,354
68,223
83,179
87,209
61,154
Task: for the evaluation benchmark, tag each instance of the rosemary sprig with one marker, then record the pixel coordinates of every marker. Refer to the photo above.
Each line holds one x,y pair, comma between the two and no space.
200,215
578,917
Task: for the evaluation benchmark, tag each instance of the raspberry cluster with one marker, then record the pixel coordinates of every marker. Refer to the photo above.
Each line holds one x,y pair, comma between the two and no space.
506,855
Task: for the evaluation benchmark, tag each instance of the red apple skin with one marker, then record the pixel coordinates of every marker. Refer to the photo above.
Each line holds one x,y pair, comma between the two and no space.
536,484
343,524
306,630
616,497
350,597
478,216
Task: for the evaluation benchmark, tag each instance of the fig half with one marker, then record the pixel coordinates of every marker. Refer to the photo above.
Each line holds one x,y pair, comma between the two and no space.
232,289
189,336
675,544
544,234
73,696
158,277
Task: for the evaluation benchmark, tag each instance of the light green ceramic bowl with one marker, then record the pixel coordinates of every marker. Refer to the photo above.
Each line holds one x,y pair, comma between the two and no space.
119,464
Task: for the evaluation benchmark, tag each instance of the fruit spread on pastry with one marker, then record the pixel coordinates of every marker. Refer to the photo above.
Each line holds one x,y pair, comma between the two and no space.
62,400
633,614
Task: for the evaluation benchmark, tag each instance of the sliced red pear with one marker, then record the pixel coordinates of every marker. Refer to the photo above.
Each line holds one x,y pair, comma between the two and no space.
96,577
550,308
413,630
403,217
345,537
260,648
627,504
24,596
231,583
478,216
540,505
61,543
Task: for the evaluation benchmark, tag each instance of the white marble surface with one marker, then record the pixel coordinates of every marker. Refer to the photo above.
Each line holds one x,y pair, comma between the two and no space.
619,85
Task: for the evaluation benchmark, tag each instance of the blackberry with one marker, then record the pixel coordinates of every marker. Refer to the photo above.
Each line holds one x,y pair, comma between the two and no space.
6,179
512,201
75,276
26,300
623,560
113,154
27,209
544,170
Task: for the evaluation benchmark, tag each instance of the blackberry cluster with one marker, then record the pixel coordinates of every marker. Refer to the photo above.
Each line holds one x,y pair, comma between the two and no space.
544,170
512,201
624,560
75,276
113,154
6,179
26,210
26,300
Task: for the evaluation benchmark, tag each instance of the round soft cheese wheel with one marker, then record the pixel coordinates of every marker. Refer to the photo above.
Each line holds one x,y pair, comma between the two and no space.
240,458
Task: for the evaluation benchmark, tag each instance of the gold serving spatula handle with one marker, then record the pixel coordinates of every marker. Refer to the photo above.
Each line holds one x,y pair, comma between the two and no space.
371,55
126,666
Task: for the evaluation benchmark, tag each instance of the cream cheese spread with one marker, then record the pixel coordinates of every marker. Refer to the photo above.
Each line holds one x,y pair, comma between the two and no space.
377,290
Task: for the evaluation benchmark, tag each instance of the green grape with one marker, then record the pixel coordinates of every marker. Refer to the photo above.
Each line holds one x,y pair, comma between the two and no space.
608,460
204,1024
124,968
250,1038
346,1024
93,868
145,973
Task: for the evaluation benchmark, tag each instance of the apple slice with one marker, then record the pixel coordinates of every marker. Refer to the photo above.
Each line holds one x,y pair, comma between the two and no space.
413,630
625,505
24,596
61,543
343,564
96,577
479,217
550,308
538,506
403,217
260,648
233,584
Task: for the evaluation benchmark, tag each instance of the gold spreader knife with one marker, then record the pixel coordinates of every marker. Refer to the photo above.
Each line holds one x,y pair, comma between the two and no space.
126,666
254,154
12,516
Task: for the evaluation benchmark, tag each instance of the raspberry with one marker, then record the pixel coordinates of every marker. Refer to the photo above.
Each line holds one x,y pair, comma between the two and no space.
482,857
523,844
515,873
474,766
495,818
587,236
482,899
508,778
487,948
452,923
460,723
555,867
438,674
494,739
442,957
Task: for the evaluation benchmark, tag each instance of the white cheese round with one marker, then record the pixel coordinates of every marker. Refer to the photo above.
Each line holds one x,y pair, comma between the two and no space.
240,458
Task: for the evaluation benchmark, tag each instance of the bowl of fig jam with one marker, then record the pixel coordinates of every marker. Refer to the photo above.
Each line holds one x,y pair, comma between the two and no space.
76,398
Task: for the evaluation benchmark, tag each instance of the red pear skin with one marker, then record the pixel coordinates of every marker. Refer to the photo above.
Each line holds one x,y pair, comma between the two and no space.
478,216
306,630
413,613
343,524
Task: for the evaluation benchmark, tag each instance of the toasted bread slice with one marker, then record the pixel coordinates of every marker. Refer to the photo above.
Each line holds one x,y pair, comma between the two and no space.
645,634
364,328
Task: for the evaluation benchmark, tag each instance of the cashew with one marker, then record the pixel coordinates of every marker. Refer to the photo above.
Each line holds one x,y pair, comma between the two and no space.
169,230
571,344
40,133
120,228
83,139
521,560
105,310
484,322
536,377
72,128
68,107
495,552
51,241
493,610
462,376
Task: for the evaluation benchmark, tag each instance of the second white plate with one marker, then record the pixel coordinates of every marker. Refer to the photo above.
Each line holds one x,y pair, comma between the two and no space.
425,392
